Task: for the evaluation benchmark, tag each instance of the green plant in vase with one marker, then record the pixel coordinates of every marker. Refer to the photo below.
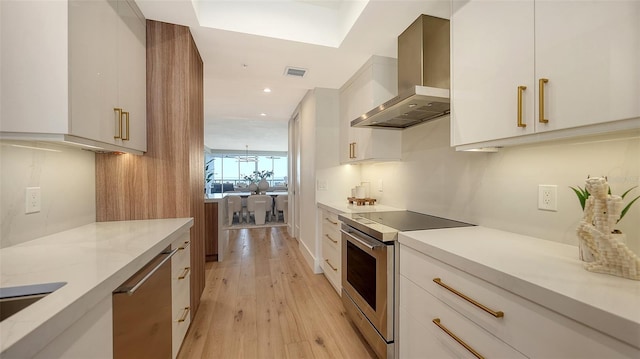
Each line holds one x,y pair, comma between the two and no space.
583,194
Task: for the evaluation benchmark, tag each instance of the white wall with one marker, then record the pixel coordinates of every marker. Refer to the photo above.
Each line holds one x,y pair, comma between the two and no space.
500,190
66,177
319,116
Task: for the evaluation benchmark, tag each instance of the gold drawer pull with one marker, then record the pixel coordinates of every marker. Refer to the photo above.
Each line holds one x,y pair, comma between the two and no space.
497,314
436,321
541,83
184,274
520,91
118,118
185,245
184,315
332,267
126,116
331,239
330,221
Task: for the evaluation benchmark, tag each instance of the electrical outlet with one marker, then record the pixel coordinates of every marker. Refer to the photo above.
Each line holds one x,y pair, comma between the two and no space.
32,201
548,197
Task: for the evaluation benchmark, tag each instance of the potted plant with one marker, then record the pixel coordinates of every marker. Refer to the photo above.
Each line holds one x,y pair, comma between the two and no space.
583,195
258,180
587,254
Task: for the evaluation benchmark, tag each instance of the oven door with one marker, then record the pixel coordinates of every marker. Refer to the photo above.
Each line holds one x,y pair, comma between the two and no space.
367,277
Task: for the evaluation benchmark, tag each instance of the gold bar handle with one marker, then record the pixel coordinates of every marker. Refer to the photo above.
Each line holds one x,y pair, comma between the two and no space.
184,273
331,239
126,116
541,118
520,91
183,317
497,314
354,150
118,118
436,321
351,150
330,221
332,267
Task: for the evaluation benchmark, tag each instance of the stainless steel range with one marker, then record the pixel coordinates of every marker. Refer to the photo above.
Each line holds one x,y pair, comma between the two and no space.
369,270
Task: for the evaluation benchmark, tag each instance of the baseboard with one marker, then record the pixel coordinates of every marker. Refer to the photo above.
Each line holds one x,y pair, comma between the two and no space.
309,258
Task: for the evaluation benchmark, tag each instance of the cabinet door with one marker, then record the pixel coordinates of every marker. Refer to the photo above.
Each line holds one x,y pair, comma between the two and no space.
590,53
93,55
374,84
132,65
492,54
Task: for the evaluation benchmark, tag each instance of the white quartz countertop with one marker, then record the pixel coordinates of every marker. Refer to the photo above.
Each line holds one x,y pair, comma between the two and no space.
545,272
93,260
345,207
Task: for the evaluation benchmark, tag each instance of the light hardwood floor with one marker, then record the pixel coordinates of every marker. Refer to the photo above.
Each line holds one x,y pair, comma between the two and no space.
263,301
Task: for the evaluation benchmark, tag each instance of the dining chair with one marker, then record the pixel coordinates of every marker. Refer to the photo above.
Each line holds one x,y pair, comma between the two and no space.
234,205
259,205
282,204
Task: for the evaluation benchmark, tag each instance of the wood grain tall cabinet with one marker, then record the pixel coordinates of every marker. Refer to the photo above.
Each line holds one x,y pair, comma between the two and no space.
168,180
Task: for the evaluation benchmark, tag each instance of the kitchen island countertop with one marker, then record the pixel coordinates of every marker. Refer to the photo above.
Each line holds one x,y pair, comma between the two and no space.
545,272
93,260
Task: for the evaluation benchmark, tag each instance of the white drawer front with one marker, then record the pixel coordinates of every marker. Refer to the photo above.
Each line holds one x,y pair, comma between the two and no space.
331,265
421,308
331,236
526,326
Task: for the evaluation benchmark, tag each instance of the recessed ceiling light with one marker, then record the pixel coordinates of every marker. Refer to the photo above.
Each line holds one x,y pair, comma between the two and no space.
263,114
267,90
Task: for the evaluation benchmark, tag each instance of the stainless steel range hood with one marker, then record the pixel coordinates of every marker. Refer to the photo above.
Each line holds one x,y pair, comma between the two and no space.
423,78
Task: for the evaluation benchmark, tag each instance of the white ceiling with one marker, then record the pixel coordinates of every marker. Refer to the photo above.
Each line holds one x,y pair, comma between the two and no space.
246,46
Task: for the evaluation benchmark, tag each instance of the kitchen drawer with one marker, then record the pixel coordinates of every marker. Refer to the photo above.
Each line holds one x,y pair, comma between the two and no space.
526,326
331,236
331,219
420,337
331,265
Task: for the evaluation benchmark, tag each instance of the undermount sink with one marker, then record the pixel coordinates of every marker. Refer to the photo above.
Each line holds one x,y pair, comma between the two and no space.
15,299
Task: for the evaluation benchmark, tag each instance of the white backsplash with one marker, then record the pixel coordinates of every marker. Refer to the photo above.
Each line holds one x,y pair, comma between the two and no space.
66,176
500,190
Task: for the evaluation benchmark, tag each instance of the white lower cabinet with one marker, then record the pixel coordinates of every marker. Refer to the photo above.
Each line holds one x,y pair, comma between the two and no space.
331,248
523,329
90,337
180,292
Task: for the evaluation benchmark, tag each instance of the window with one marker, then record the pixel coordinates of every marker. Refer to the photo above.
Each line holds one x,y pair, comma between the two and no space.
230,168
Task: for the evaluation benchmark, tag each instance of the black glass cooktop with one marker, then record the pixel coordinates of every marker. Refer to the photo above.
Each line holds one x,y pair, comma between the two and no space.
411,221
384,226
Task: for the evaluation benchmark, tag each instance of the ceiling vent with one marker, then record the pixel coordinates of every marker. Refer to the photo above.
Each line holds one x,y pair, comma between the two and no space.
294,71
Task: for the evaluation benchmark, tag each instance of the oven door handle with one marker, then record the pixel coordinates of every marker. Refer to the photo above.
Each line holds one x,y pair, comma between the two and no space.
363,241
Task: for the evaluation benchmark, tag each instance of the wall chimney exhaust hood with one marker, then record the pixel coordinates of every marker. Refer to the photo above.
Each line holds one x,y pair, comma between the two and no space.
423,78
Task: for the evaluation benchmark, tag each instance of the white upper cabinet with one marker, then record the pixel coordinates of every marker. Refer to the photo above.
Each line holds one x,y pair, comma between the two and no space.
372,85
590,53
586,54
69,73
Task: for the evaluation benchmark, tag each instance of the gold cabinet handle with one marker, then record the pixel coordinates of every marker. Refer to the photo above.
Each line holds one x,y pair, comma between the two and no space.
126,116
330,221
541,118
185,245
118,118
183,317
351,150
184,273
497,314
354,150
436,321
520,91
331,239
332,267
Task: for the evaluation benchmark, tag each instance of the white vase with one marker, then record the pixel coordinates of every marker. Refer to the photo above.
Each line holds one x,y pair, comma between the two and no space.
253,187
263,185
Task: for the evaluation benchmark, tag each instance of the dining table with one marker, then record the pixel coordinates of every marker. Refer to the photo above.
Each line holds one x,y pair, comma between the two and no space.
273,195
